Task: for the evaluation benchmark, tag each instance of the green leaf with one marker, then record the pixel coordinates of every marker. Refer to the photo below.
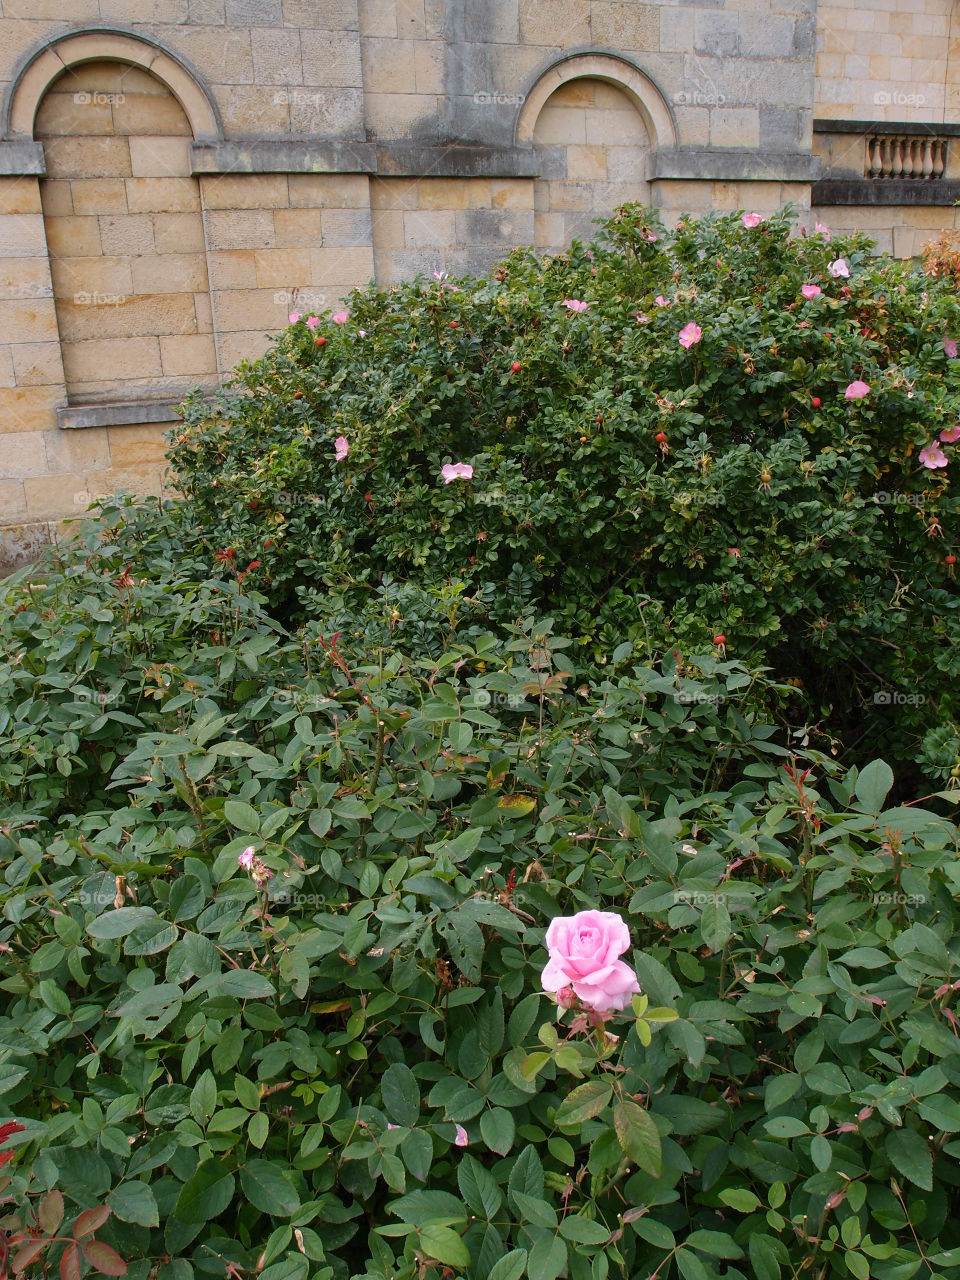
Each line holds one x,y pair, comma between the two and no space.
242,983
715,926
510,1267
639,1136
203,1098
267,1189
478,1188
583,1230
134,1202
526,1176
741,1200
118,923
873,786
910,1155
401,1094
206,1193
786,1127
583,1103
444,1244
242,816
498,1128
547,1259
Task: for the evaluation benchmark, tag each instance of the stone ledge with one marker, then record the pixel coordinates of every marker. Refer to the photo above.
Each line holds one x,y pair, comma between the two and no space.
748,165
886,126
18,159
120,413
873,192
412,160
282,157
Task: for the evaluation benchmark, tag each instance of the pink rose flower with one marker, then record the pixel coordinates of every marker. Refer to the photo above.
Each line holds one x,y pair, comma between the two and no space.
340,317
839,269
689,335
820,229
661,301
950,435
342,447
574,304
857,390
294,317
933,457
651,237
810,291
312,321
462,1137
950,348
751,220
456,471
584,955
245,859
642,319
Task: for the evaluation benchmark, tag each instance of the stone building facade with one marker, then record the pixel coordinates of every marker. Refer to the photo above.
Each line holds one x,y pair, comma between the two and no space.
177,175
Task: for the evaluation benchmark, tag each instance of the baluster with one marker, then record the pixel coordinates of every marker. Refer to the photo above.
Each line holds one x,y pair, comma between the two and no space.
874,159
887,154
939,158
896,169
928,157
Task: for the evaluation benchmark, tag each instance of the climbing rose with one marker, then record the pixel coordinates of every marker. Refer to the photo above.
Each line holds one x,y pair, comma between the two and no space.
456,471
340,317
689,335
584,955
312,321
810,291
821,230
839,269
574,304
294,317
342,446
950,348
950,435
751,220
933,457
661,301
857,390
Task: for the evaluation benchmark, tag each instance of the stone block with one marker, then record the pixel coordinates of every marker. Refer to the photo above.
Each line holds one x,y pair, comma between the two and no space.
188,355
21,195
223,56
243,344
511,193
239,310
152,157
178,233
30,319
717,34
494,226
346,227
331,15
389,66
38,364
252,110
339,270
428,230
454,193
556,23
734,127
254,13
387,231
298,227
12,504
587,163
91,276
331,59
70,237
125,359
402,115
276,56
21,236
136,315
22,453
135,446
73,111
145,114
127,234
54,497
28,409
239,228
378,18
329,190
282,268
98,195
334,113
245,191
492,22
169,273
162,195
56,198
625,25
86,450
25,278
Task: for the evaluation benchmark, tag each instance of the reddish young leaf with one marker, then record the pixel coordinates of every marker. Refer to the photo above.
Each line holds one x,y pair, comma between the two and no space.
29,1253
106,1260
50,1212
70,1263
88,1221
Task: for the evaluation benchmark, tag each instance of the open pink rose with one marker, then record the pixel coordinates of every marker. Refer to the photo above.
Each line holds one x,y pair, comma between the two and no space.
294,317
950,348
312,322
933,457
689,335
810,291
751,220
451,471
950,435
856,390
575,304
340,317
584,955
821,230
839,269
342,447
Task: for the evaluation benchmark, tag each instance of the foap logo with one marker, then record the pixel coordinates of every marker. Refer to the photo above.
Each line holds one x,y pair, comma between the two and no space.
897,698
84,299
298,98
899,899
493,98
303,299
86,99
897,98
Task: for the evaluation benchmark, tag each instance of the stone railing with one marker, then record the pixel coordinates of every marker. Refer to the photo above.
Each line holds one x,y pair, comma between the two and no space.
903,155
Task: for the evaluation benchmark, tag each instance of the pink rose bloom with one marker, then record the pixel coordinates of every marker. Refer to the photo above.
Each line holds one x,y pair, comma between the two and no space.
810,291
462,1137
933,457
839,269
342,446
857,390
651,237
294,317
751,220
689,335
574,304
456,471
642,319
584,955
822,230
245,859
950,435
661,301
340,317
950,348
312,321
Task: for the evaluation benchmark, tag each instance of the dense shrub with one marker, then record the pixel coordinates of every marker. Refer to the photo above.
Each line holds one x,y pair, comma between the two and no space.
347,1067
632,487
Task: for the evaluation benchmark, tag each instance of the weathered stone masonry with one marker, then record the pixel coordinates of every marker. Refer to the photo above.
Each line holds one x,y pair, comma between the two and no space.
177,175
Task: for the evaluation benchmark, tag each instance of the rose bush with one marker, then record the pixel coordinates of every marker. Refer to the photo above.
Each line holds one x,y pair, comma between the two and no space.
726,429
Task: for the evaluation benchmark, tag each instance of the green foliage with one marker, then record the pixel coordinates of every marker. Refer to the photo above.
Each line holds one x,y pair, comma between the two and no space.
272,1080
635,490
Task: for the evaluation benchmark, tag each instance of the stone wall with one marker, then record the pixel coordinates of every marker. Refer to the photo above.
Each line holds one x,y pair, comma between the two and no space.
176,176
